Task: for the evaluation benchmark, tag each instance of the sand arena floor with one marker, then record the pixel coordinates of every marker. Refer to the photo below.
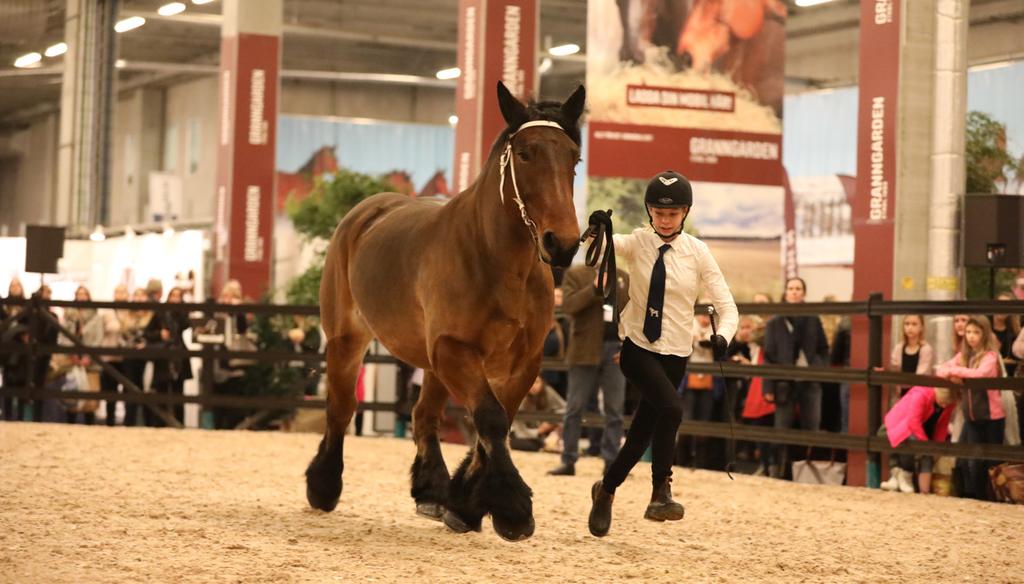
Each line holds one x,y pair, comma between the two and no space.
96,504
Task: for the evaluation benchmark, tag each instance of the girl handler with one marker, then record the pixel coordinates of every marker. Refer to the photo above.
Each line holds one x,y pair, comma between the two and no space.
670,269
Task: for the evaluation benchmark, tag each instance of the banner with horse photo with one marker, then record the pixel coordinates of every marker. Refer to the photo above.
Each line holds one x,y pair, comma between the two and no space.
694,86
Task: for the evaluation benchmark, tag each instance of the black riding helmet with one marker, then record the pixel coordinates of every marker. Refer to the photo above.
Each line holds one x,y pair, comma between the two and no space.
668,190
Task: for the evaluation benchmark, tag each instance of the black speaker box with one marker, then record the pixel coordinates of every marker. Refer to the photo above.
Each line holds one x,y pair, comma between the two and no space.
44,245
994,231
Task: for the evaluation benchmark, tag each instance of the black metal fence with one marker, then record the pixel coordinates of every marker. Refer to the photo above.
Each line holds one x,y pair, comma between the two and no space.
34,311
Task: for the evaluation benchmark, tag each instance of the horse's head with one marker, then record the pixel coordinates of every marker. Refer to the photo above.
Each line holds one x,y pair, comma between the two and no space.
541,166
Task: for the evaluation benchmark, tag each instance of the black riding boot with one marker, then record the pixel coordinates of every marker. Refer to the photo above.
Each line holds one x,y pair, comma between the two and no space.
662,507
601,512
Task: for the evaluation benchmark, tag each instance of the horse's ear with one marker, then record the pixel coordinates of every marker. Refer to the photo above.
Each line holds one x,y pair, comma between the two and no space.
512,109
572,109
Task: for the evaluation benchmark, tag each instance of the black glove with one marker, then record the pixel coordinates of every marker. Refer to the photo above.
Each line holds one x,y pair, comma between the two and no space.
600,217
719,346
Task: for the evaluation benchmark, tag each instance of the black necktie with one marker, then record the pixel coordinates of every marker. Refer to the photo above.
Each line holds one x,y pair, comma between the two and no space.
656,297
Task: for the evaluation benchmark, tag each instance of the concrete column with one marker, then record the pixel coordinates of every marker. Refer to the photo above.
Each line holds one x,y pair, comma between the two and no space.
910,170
949,98
86,102
249,85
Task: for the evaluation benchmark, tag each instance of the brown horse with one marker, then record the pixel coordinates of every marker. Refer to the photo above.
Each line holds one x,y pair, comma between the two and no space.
462,290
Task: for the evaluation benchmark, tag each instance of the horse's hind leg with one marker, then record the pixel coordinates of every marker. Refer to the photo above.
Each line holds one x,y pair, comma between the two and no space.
323,477
429,473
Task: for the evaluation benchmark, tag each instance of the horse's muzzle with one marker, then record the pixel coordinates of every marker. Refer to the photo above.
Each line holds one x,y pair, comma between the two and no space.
559,255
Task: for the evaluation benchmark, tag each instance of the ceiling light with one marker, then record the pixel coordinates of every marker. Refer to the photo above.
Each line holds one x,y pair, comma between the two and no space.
120,63
201,2
545,65
564,50
56,50
130,23
451,73
29,60
97,234
453,119
806,3
171,9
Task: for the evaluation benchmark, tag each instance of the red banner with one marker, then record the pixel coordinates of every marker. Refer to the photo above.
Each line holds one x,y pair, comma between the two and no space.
632,150
245,180
497,41
873,207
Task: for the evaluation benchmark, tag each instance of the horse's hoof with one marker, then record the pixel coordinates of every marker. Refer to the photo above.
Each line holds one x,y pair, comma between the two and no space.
320,500
511,532
455,523
433,511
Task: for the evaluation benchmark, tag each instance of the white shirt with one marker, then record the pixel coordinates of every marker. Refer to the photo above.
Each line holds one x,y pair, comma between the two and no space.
689,269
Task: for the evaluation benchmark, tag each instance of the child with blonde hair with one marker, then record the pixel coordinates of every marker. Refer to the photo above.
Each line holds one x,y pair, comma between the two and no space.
984,416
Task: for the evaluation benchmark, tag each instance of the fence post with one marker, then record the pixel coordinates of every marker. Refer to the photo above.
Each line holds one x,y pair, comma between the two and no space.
875,356
34,340
206,374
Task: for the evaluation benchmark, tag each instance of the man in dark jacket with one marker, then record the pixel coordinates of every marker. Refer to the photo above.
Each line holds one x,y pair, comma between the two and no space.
593,357
800,341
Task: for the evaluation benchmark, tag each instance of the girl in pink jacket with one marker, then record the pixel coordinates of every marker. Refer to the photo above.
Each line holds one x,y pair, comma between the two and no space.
922,413
984,418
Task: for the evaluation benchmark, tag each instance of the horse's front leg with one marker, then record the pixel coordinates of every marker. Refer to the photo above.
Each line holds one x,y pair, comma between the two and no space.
486,481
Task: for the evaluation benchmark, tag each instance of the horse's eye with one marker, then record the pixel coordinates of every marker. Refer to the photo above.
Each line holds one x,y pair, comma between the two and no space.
523,154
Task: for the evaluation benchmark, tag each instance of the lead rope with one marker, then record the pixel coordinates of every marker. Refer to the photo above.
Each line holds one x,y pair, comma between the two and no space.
601,229
730,406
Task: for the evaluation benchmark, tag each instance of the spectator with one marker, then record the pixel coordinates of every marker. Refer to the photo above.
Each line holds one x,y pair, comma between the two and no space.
982,408
169,375
959,322
17,377
696,390
1006,327
756,410
762,298
87,325
739,351
913,354
532,436
304,337
228,373
831,391
797,341
555,346
1018,286
45,333
134,332
231,293
115,323
840,357
923,413
1018,352
593,357
16,370
14,290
